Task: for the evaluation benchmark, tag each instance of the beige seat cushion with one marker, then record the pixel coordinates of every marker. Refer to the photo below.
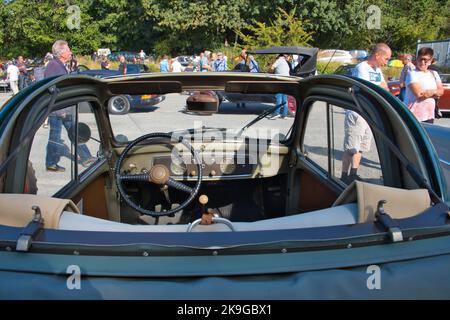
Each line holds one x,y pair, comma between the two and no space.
15,209
401,203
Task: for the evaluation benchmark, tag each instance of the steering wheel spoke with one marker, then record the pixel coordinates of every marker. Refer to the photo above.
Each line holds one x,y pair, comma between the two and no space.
179,186
142,177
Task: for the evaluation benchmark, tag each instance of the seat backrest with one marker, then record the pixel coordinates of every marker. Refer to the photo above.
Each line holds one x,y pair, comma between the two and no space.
15,209
401,203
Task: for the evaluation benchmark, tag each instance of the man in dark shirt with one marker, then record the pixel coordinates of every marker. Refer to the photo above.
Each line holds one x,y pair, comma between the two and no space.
23,72
104,64
55,147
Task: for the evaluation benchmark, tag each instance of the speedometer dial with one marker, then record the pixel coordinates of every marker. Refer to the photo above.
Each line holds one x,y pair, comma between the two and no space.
227,168
178,169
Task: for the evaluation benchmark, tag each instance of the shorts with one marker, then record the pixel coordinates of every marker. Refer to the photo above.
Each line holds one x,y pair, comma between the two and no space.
358,135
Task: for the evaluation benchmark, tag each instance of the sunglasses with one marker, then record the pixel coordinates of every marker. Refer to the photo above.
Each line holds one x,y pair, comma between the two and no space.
424,60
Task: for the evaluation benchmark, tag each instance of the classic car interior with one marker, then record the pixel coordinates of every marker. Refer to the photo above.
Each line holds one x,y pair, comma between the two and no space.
165,182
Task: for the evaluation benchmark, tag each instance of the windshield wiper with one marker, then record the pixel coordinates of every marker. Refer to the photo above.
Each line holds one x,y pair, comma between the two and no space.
264,114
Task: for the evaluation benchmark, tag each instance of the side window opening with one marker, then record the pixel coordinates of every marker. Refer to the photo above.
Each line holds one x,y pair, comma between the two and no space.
339,141
64,147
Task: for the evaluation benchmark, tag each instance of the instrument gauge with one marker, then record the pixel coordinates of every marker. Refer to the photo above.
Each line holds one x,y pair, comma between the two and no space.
228,167
178,168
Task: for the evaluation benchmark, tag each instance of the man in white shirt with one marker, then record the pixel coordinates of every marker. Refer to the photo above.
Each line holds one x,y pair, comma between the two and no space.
176,65
358,136
12,75
281,67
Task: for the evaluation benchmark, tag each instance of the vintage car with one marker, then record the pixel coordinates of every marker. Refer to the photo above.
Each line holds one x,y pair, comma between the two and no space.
204,205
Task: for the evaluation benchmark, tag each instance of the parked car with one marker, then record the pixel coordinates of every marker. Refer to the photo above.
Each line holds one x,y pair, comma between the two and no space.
444,100
123,104
240,208
184,60
347,70
129,56
334,55
359,55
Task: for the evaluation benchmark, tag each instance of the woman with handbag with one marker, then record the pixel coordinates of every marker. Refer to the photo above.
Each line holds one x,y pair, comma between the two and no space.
423,87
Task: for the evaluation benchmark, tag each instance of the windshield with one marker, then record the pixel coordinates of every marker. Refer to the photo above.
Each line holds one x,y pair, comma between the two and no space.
168,113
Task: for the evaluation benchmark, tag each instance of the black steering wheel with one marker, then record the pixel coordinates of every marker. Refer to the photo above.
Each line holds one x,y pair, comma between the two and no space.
157,174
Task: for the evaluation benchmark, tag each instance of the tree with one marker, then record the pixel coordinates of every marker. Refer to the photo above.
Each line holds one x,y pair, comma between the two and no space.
25,34
284,30
194,25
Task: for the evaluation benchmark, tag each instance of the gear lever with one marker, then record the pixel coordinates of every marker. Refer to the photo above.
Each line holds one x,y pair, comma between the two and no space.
207,214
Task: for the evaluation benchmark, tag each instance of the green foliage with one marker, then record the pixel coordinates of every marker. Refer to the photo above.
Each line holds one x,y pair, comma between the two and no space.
25,34
284,30
330,67
153,67
29,27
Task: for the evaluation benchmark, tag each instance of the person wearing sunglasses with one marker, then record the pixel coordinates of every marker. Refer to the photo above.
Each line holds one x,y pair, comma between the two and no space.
423,87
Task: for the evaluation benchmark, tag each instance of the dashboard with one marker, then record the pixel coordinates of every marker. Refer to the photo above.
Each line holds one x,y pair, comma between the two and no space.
232,161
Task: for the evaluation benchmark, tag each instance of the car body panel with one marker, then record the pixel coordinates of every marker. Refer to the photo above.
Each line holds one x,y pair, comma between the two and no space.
337,279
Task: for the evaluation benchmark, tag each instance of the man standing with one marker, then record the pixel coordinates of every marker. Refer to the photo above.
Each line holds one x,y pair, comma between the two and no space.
358,136
164,65
122,66
281,67
408,66
12,75
220,64
142,56
176,65
23,72
55,147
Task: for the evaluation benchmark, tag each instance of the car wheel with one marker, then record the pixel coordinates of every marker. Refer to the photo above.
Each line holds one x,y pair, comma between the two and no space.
119,105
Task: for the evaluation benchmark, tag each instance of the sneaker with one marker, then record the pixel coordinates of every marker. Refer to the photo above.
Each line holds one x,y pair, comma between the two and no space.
55,168
275,116
86,163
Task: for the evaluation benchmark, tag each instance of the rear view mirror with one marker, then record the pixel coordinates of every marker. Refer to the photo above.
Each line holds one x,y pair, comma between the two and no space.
205,102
